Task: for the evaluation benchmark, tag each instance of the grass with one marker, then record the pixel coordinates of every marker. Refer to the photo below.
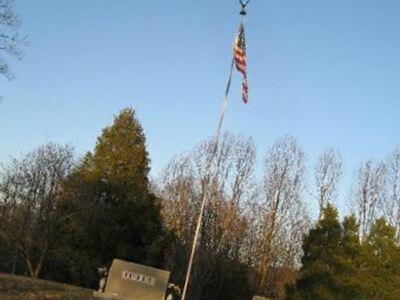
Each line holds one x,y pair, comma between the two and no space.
24,288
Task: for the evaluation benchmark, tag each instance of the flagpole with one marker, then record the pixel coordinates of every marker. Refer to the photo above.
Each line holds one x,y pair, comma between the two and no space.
206,187
209,163
223,106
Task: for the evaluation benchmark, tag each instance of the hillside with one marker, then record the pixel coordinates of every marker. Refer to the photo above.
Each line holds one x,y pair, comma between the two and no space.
24,288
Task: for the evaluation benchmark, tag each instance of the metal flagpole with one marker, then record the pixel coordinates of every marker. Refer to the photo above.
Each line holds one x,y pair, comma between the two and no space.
206,187
209,162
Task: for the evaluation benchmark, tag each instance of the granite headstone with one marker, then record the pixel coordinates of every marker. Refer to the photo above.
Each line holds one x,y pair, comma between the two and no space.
131,281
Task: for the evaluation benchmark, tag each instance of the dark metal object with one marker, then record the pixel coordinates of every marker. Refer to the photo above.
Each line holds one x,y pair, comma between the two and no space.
243,4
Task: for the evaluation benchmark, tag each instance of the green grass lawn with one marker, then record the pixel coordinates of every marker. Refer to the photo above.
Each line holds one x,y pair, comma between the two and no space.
24,288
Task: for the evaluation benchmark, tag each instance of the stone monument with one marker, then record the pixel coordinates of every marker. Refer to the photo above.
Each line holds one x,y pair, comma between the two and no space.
130,281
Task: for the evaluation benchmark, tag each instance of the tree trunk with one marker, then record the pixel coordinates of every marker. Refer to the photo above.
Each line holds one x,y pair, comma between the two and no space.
34,272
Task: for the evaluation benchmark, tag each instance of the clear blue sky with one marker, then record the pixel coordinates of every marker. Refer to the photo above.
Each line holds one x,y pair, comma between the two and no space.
327,72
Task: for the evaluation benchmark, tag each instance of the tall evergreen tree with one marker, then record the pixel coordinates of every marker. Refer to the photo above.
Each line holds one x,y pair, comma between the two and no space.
112,212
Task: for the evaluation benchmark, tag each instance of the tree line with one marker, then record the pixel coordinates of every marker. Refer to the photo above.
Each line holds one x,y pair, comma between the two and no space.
62,217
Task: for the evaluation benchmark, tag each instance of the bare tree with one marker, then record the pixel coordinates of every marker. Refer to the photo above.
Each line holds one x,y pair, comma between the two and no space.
11,42
32,185
284,218
369,194
230,188
392,203
328,173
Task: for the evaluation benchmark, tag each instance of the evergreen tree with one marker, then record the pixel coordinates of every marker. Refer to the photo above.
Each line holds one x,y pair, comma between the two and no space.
320,248
120,159
349,260
380,271
337,266
112,212
327,264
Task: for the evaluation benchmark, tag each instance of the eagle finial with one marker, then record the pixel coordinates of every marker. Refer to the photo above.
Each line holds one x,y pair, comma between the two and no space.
243,4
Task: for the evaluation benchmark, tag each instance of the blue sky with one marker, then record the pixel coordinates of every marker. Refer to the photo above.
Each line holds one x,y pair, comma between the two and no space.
327,72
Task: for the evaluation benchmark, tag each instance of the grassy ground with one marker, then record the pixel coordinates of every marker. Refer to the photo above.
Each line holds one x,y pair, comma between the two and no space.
23,288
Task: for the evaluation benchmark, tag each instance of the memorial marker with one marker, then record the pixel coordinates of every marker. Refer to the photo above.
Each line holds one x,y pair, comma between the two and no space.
130,281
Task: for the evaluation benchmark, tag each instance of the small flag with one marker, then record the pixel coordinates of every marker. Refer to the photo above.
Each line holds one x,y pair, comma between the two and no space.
239,52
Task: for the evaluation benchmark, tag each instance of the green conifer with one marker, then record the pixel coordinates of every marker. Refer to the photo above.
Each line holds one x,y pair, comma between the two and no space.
112,212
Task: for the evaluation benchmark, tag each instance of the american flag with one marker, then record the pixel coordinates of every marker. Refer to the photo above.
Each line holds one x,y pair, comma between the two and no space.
239,52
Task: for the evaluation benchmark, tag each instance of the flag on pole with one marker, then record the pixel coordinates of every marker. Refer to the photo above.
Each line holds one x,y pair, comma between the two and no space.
239,53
